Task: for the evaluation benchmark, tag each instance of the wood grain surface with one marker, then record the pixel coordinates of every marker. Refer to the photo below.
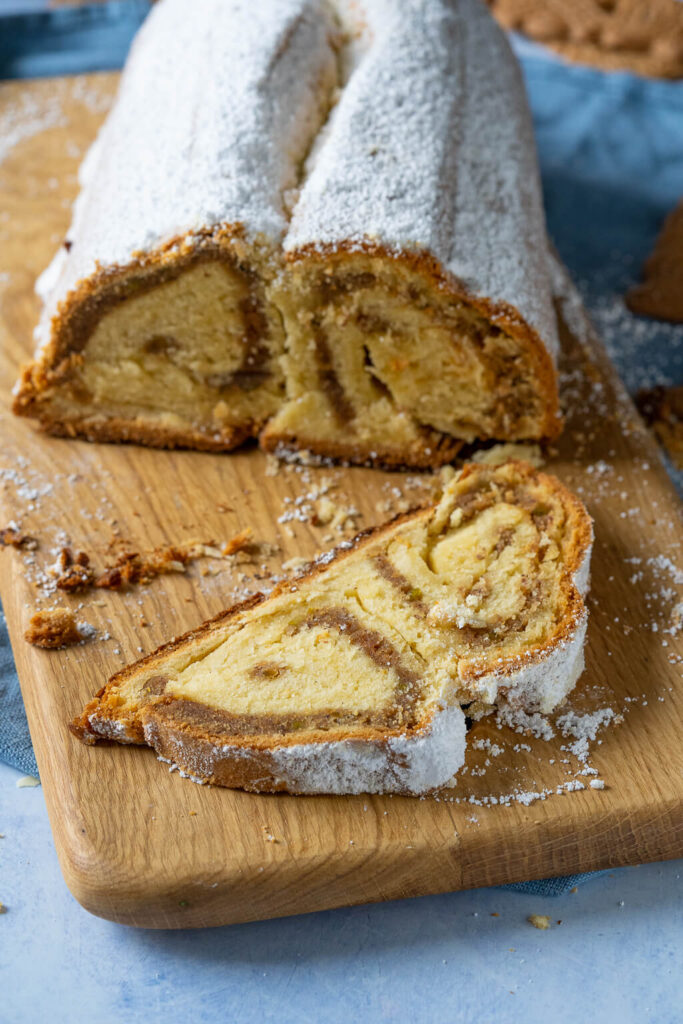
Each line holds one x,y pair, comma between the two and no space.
143,846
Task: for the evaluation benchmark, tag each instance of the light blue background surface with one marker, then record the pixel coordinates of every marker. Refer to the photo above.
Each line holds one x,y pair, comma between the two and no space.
439,958
611,151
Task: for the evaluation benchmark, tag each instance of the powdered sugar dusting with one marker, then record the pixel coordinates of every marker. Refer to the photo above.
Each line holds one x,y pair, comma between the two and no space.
405,764
584,727
27,118
178,162
431,147
521,721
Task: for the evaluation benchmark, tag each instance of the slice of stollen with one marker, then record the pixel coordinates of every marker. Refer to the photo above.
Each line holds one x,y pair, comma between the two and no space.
353,677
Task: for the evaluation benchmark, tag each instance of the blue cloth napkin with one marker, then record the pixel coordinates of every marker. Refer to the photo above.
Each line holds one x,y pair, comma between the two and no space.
69,41
611,154
15,742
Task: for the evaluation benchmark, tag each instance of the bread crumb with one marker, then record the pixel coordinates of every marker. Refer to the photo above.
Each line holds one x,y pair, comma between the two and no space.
662,409
325,510
56,627
11,537
27,782
3,908
239,541
501,453
75,573
272,465
541,921
295,564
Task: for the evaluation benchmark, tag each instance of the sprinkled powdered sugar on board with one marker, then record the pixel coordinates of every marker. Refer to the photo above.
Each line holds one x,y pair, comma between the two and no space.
584,727
576,771
26,119
29,115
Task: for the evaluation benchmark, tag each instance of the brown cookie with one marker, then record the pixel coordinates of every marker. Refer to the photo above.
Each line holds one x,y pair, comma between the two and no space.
644,36
661,293
662,409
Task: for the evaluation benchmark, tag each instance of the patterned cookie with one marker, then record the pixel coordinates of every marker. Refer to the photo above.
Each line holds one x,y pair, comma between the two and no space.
661,293
644,36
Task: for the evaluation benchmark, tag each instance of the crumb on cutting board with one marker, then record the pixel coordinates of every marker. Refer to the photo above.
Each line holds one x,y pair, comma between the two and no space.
540,921
12,537
28,782
56,627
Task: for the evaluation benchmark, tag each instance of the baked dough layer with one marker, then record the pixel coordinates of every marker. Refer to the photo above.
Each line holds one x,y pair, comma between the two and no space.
356,378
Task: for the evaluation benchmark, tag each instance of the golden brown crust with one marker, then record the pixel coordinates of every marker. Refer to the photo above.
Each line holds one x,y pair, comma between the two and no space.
440,452
250,764
83,307
77,316
195,754
80,726
122,431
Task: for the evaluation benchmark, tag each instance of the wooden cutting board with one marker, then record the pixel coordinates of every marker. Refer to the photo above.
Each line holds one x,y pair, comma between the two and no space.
140,845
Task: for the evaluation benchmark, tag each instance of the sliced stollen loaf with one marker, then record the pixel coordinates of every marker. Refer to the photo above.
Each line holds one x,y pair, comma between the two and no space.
353,677
326,232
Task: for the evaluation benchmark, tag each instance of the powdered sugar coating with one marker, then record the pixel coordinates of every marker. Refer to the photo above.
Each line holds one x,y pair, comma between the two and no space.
431,148
540,685
415,763
403,764
215,111
111,729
